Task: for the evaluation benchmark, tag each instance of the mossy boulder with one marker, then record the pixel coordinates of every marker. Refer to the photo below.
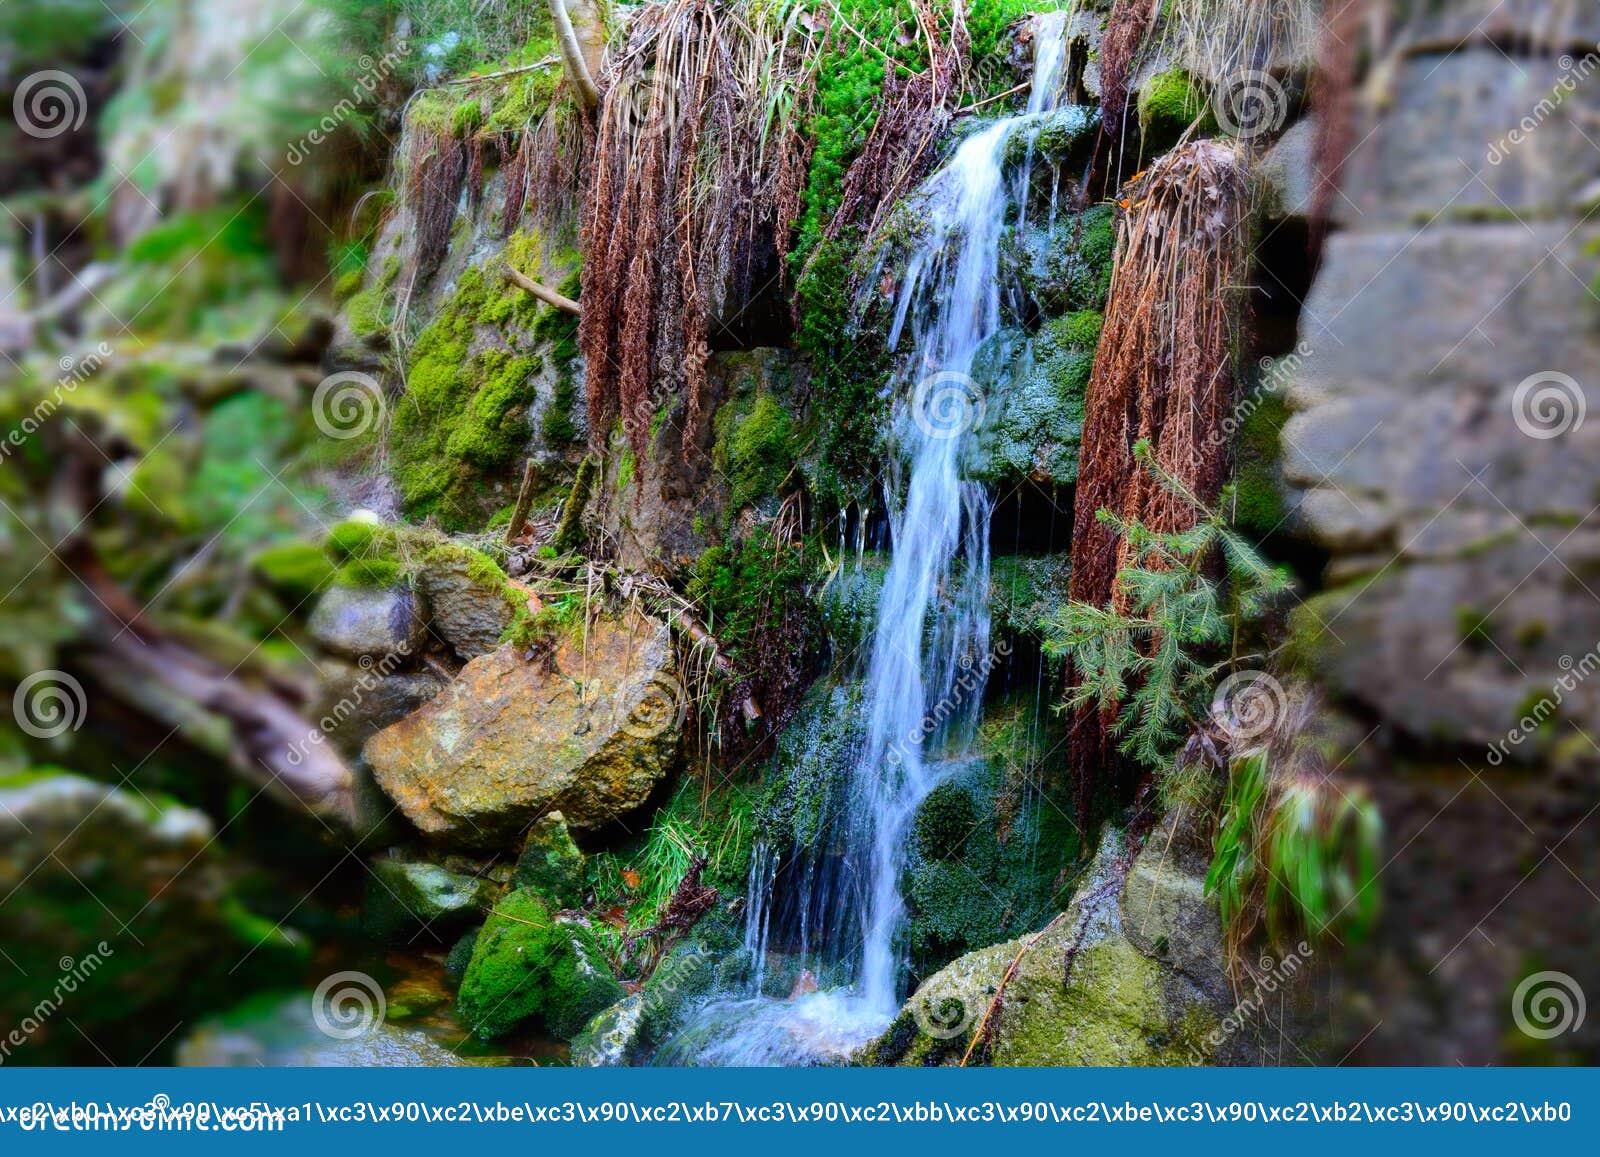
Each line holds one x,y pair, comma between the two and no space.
527,965
405,898
590,734
1145,981
991,845
120,919
550,863
1168,104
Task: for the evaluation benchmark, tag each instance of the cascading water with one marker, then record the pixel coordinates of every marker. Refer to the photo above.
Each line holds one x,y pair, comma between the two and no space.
930,653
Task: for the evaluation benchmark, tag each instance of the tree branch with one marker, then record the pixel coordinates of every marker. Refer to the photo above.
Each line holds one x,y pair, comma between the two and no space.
572,58
543,293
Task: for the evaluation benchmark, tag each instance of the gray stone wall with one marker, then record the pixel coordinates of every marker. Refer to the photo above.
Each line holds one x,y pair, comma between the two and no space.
1444,449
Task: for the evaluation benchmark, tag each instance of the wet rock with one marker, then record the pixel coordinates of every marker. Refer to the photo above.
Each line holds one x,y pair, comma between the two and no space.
467,601
1287,174
405,900
1033,422
363,623
119,910
510,741
550,863
611,1038
280,1031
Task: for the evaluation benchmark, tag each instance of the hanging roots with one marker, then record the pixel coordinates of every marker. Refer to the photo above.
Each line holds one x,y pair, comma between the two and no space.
1126,30
916,110
1164,373
696,182
435,170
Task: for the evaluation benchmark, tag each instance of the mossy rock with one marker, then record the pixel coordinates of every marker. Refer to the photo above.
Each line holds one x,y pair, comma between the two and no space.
405,897
528,966
1065,268
755,448
1033,422
1168,104
551,864
804,792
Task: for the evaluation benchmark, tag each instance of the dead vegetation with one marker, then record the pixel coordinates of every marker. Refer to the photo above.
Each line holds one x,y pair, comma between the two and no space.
1164,374
698,167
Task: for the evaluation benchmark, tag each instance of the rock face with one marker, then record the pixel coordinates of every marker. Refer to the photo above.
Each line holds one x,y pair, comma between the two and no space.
107,888
358,622
1146,983
551,863
509,741
1440,455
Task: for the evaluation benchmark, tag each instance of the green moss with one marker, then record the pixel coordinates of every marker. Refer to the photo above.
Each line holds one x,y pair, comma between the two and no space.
369,310
526,965
1258,497
464,414
1473,626
991,845
755,448
849,371
569,535
1168,104
298,569
944,821
375,573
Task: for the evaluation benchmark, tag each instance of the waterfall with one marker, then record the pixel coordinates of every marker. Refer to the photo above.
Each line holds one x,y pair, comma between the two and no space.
930,652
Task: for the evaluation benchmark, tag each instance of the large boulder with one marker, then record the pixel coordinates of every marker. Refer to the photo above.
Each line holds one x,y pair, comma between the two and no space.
366,623
590,735
118,916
